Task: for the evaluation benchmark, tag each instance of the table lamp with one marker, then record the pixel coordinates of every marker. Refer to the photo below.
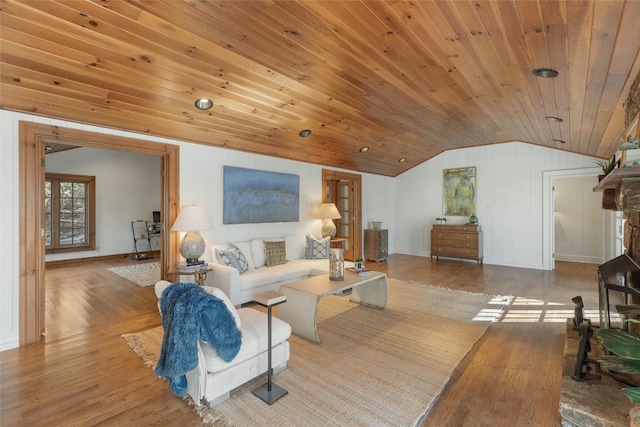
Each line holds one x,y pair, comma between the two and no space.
327,213
192,219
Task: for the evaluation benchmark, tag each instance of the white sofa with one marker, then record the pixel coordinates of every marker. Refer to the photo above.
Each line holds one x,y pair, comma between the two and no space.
212,380
242,288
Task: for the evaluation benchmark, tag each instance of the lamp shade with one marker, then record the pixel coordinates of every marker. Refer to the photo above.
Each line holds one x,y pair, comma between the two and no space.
192,218
328,211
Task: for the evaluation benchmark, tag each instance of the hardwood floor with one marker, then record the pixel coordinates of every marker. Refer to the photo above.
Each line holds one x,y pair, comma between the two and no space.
83,373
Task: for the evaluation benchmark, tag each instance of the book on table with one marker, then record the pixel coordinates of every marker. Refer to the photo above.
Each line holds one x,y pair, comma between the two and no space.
185,268
361,272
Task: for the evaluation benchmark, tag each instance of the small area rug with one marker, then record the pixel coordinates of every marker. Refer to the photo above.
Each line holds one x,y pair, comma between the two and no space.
373,367
143,274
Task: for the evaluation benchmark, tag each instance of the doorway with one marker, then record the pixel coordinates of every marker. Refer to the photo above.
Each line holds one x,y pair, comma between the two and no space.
32,140
548,216
345,190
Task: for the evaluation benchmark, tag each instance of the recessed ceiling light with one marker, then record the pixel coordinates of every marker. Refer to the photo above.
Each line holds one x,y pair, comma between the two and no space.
554,119
364,149
48,148
402,160
203,103
546,73
304,133
560,141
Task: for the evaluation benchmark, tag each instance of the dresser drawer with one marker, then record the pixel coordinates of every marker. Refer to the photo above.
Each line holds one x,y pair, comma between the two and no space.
449,228
454,237
455,252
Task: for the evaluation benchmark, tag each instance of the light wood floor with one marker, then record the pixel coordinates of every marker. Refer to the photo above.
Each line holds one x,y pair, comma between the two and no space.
83,373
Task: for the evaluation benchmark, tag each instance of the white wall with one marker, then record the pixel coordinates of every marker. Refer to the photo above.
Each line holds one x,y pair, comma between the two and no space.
579,220
509,199
200,183
128,188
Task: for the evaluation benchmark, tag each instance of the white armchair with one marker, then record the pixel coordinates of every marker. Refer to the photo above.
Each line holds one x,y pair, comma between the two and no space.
212,380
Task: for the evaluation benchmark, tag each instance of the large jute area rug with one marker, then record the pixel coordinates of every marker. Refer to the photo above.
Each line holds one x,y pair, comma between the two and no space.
373,368
144,274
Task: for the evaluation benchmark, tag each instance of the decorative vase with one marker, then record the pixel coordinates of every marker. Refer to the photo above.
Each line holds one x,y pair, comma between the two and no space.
473,219
336,264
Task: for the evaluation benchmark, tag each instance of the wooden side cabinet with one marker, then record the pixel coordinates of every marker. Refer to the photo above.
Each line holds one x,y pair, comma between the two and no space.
457,241
376,244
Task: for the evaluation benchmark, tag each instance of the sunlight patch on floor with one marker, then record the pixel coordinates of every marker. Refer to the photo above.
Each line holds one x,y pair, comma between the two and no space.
530,310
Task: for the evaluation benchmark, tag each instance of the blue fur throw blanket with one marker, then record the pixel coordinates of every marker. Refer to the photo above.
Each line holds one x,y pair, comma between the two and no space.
190,314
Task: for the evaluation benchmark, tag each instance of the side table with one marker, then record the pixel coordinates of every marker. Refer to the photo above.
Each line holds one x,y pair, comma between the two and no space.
269,392
337,242
199,275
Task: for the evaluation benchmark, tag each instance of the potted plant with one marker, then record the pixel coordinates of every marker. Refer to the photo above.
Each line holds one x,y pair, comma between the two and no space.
629,152
607,166
358,264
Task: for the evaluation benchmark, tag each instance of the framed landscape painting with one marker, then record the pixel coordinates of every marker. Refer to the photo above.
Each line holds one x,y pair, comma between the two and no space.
459,188
254,196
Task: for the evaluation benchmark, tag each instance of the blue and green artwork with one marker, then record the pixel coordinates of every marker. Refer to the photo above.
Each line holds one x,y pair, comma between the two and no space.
459,191
254,196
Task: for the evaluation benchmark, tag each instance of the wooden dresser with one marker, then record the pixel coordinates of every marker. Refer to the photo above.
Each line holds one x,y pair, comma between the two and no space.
376,244
457,241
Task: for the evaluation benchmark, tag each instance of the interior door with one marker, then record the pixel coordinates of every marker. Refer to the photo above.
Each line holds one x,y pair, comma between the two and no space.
345,226
344,190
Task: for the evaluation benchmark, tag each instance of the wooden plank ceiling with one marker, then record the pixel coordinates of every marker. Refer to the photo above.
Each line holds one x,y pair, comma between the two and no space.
407,79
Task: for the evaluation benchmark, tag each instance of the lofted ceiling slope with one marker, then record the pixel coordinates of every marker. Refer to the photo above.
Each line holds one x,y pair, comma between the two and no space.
407,79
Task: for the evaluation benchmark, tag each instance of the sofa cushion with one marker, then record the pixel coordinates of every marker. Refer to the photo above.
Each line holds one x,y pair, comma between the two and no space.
244,247
257,252
258,277
234,257
317,248
254,338
275,253
296,246
264,276
229,258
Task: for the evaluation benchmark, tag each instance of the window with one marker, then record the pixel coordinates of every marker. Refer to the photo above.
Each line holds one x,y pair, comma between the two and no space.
69,214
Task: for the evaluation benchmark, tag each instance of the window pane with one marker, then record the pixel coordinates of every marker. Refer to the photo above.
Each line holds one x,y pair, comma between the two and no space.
47,205
78,189
66,189
47,237
78,205
47,189
66,205
78,220
66,236
78,237
65,220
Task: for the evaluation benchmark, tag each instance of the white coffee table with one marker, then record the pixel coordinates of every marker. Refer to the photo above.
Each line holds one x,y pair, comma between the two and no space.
303,297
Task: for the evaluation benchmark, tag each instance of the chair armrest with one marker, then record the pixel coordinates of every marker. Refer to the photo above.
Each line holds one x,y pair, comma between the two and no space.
227,279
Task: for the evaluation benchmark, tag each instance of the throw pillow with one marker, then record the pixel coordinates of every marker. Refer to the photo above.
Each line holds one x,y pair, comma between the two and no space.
317,249
229,258
275,253
296,246
242,260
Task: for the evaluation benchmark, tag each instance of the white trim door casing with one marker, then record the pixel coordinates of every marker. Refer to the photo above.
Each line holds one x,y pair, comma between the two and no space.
548,229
